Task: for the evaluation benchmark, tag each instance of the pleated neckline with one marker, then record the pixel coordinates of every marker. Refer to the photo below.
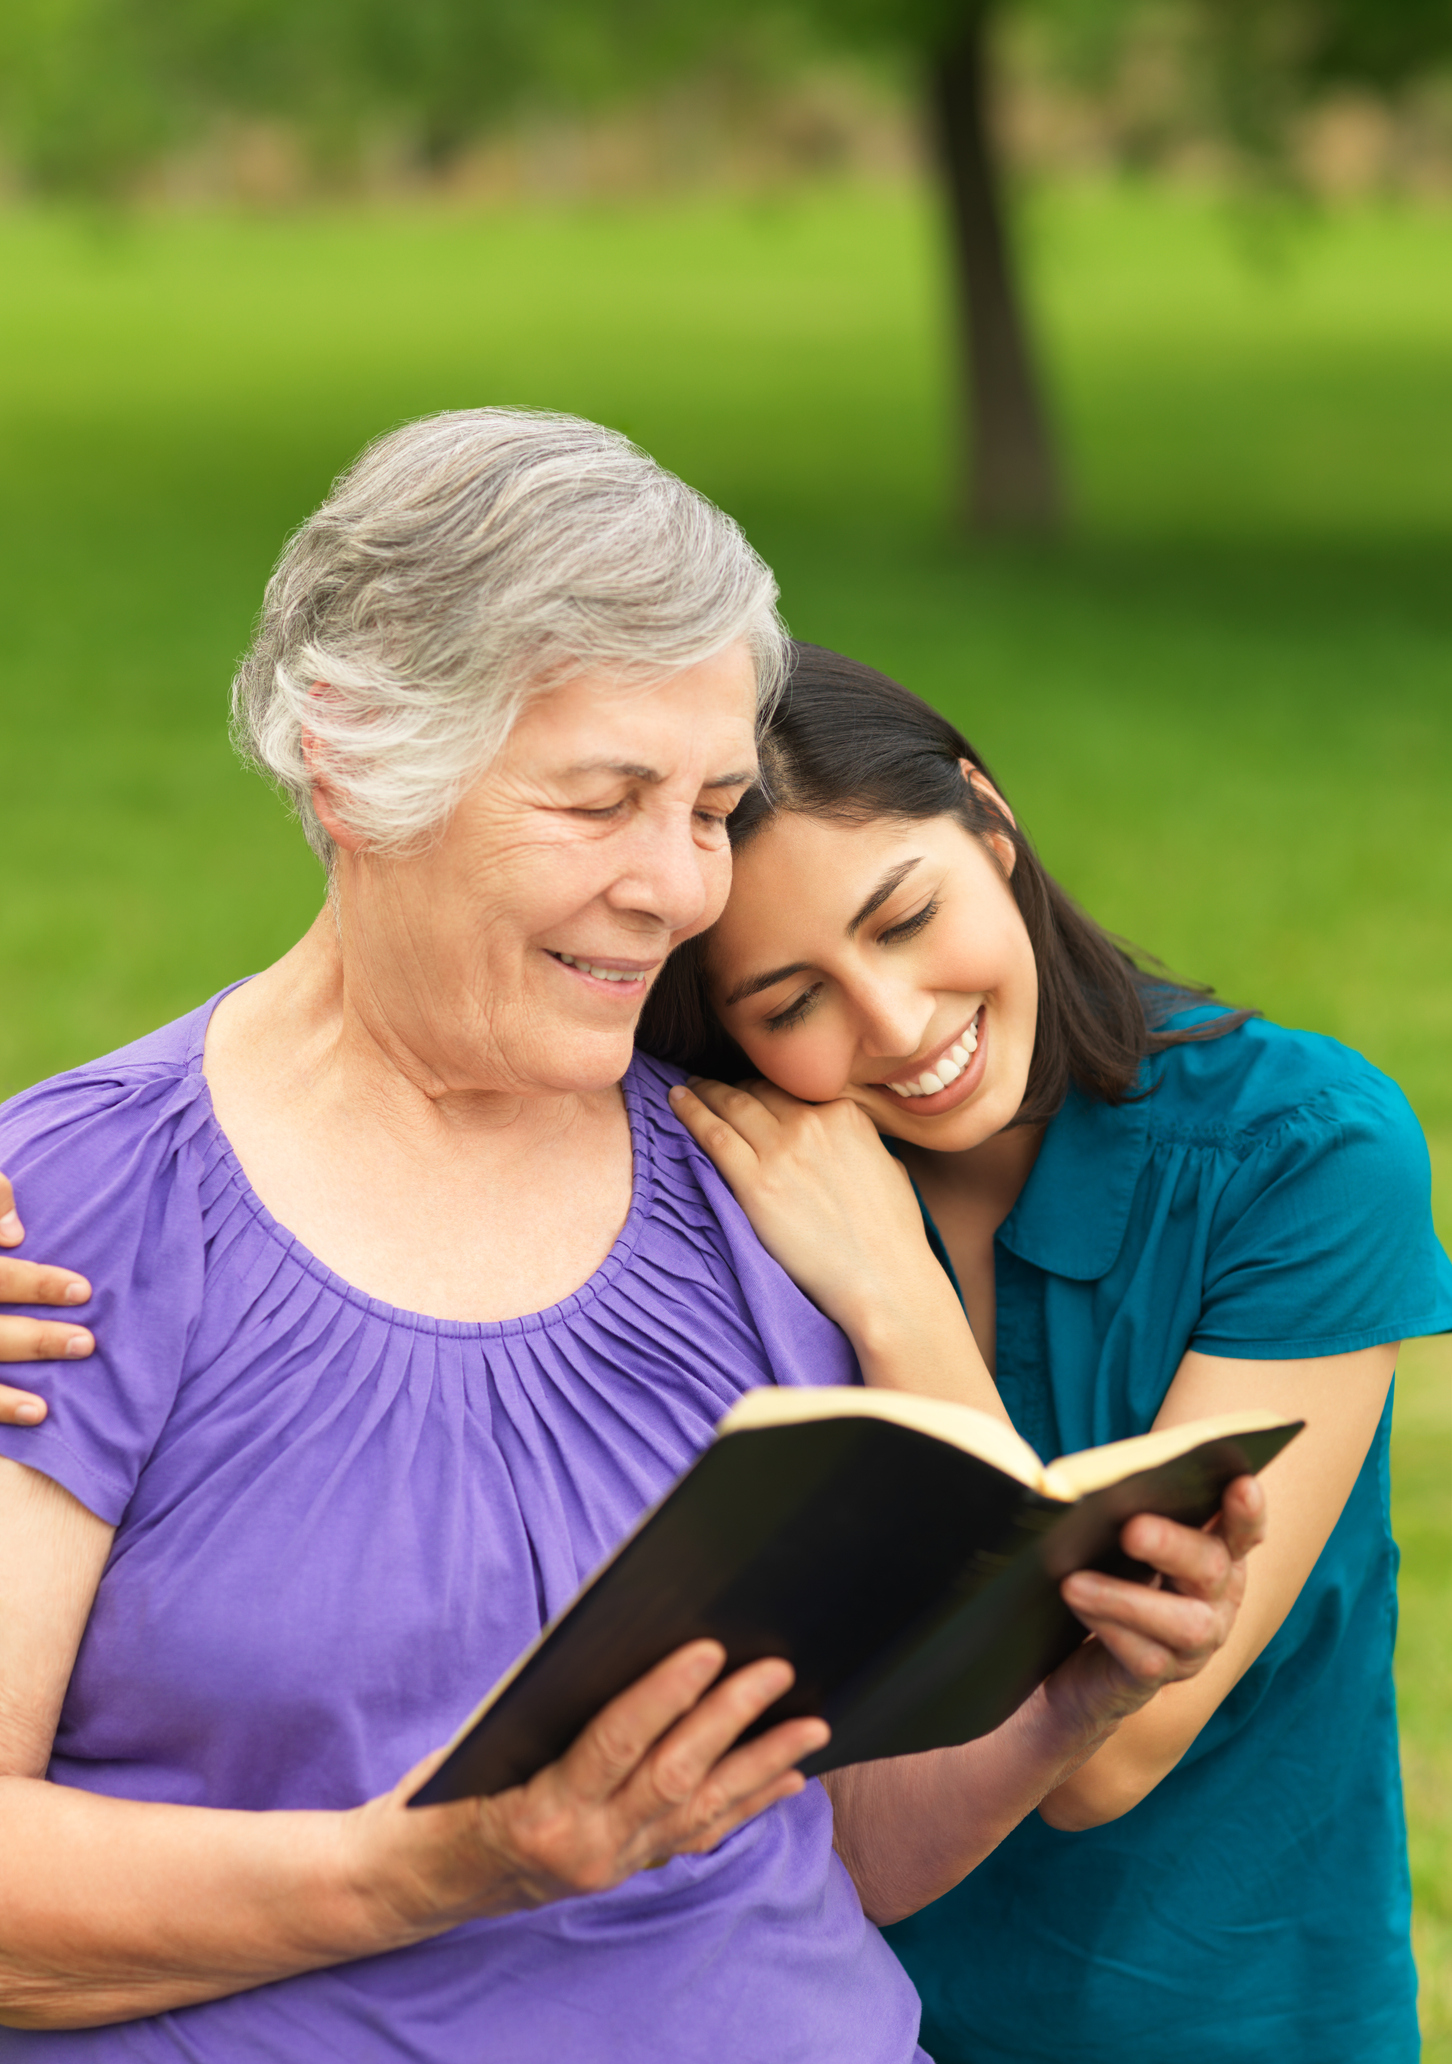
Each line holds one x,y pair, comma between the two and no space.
220,1153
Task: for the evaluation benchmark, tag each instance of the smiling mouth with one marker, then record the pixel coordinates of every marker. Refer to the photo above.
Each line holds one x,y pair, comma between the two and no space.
950,1064
624,976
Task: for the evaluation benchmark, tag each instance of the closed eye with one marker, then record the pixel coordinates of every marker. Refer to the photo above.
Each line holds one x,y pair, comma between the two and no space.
795,1011
910,926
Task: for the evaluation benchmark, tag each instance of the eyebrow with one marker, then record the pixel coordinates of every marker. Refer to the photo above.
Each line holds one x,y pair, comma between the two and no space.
630,772
754,984
893,879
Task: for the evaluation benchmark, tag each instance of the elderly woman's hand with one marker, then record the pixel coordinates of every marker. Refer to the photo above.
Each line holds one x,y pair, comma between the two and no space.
34,1340
655,1775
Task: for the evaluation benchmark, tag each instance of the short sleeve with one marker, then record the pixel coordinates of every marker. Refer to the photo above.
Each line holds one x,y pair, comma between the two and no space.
1322,1241
106,1184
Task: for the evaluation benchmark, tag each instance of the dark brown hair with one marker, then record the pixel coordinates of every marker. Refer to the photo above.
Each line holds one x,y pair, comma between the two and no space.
849,744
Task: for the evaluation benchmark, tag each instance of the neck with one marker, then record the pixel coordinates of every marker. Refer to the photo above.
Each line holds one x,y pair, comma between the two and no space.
989,1177
319,1027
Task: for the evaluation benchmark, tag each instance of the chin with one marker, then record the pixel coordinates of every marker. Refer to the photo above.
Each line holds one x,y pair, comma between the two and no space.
587,1062
956,1131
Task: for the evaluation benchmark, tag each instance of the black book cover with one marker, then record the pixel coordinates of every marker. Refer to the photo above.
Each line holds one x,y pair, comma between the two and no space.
912,1585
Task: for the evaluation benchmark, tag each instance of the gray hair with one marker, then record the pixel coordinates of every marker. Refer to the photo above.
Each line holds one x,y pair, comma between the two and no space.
463,564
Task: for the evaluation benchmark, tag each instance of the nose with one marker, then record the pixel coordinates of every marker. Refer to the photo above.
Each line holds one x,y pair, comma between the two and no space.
669,876
892,1017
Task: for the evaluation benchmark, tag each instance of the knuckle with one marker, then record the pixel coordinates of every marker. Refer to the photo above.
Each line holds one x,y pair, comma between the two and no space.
672,1778
613,1743
708,1806
550,1842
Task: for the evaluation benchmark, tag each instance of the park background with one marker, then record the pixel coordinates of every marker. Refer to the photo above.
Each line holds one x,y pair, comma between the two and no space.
1219,696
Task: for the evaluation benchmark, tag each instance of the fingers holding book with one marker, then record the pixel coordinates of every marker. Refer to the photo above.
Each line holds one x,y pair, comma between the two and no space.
659,1766
1160,1634
659,1772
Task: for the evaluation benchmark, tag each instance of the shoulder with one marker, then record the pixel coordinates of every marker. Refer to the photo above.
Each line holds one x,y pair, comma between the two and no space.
109,1163
1266,1089
77,1127
701,1239
1315,1184
686,1184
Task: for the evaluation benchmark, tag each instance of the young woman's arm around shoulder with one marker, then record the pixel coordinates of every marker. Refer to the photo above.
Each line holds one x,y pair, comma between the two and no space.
28,1339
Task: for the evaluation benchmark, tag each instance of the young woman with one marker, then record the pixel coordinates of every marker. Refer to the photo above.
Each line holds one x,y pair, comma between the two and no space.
1153,1208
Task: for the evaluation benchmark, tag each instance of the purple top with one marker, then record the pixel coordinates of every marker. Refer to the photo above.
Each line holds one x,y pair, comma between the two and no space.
337,1523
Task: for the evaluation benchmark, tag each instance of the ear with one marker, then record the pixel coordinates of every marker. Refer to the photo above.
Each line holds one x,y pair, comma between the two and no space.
325,799
1002,847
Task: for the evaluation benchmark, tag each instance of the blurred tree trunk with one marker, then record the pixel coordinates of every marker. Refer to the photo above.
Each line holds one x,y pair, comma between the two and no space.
1010,471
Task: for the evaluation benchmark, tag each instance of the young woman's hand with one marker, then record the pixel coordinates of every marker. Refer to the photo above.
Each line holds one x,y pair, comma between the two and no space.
910,1829
34,1340
1146,1637
828,1202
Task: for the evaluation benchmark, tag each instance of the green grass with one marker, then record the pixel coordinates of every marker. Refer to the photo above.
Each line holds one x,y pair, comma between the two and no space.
1225,709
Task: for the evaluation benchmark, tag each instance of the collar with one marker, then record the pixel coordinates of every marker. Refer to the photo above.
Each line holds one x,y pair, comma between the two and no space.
1072,1212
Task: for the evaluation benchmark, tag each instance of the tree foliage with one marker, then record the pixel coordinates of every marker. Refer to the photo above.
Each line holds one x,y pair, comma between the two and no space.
91,90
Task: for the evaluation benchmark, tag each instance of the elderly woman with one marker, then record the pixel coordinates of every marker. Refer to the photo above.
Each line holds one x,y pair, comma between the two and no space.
410,1295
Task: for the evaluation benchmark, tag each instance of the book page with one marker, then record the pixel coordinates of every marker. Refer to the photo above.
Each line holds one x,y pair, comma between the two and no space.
1074,1476
959,1425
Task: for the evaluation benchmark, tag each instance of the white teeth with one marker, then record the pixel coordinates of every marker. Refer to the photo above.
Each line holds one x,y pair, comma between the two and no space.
948,1069
601,974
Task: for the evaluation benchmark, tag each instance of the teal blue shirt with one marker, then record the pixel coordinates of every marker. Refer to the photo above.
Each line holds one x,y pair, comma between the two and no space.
1269,1198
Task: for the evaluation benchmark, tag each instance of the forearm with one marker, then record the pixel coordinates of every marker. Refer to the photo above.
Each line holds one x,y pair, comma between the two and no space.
1308,1486
910,1829
110,1910
916,1338
1141,1752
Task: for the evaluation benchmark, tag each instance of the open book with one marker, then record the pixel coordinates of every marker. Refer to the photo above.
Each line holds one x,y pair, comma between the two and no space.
903,1554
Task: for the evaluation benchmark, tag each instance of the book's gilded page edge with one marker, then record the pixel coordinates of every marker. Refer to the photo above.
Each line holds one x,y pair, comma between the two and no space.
959,1425
1075,1476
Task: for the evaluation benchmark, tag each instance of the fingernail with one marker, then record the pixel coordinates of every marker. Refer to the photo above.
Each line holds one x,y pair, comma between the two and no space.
79,1344
77,1293
11,1229
676,1089
28,1415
